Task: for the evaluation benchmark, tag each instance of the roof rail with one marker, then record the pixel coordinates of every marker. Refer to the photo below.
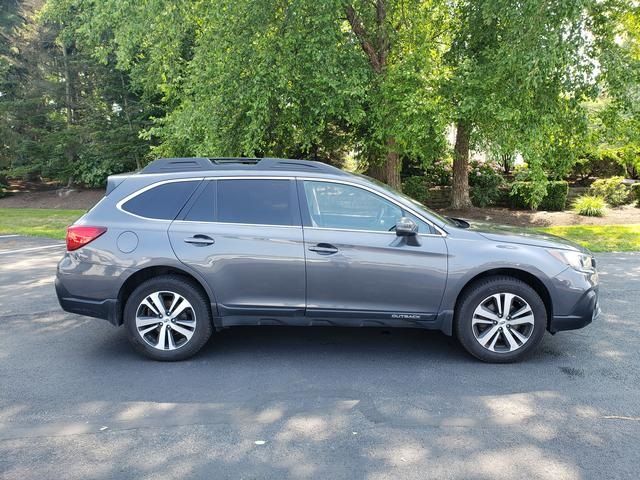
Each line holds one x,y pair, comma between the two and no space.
166,165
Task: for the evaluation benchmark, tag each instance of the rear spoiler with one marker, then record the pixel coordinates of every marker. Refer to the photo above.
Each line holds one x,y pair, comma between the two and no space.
114,180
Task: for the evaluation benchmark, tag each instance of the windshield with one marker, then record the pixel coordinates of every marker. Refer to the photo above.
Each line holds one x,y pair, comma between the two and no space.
419,206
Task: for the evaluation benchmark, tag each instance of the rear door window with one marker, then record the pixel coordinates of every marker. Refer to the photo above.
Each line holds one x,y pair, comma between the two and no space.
161,202
203,207
257,201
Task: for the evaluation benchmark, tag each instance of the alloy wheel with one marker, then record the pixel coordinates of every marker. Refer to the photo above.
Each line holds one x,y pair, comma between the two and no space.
503,322
165,320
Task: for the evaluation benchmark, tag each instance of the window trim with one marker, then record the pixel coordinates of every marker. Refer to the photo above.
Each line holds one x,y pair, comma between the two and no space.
440,231
151,186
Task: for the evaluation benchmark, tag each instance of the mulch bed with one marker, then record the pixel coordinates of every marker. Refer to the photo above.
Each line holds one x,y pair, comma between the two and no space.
615,216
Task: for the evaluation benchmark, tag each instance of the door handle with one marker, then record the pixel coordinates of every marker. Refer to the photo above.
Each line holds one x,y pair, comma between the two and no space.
200,240
324,249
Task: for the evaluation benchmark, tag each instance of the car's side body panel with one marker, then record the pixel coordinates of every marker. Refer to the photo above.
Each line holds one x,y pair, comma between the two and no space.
252,268
375,272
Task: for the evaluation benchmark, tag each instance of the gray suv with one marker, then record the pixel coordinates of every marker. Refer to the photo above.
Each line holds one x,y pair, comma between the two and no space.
192,245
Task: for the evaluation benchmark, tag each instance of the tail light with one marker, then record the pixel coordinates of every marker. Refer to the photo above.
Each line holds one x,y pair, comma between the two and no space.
80,235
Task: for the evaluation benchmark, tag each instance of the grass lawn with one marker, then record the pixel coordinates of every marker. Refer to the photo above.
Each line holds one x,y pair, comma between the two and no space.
37,222
601,238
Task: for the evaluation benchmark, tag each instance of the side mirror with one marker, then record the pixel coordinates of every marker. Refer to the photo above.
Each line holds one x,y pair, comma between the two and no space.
405,227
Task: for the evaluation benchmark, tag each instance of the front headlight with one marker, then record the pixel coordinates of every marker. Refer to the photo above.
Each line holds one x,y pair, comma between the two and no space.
576,260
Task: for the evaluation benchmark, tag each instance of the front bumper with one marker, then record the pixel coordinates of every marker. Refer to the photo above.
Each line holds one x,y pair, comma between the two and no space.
586,310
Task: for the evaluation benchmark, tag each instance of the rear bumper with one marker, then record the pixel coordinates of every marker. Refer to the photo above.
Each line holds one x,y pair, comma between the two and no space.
586,310
107,309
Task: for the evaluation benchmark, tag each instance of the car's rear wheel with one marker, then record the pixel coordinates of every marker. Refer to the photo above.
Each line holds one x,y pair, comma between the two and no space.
500,319
168,318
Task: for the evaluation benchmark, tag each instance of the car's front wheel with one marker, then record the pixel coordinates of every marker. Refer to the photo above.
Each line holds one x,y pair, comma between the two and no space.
500,319
168,318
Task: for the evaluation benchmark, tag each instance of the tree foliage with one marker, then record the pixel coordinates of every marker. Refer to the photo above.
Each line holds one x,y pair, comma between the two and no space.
62,114
90,87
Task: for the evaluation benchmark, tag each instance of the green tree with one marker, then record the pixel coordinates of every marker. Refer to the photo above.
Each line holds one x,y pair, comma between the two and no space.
291,78
520,70
63,114
403,43
615,125
92,84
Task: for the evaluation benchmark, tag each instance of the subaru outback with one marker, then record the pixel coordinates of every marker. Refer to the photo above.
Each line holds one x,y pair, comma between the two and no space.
189,246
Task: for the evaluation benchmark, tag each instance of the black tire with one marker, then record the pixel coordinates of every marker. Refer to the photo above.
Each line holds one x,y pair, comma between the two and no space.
474,295
193,294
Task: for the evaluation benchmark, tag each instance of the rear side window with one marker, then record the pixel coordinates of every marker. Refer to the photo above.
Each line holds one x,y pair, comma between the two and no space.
257,201
162,202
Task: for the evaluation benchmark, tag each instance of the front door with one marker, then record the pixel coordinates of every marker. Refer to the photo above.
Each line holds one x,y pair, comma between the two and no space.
357,267
244,236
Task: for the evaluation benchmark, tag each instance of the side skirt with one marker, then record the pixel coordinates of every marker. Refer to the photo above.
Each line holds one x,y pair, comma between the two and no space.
329,318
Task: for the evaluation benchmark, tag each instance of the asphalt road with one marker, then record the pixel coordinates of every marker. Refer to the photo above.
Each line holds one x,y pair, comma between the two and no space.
76,402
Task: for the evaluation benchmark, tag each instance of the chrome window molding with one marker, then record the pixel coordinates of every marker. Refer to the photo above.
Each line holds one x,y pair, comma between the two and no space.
441,232
382,232
241,224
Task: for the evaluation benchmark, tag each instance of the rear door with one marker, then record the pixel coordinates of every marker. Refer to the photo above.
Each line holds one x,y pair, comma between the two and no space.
244,235
357,267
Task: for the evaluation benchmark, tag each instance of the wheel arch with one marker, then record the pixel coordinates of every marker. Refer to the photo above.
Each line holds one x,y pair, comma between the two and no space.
146,273
522,275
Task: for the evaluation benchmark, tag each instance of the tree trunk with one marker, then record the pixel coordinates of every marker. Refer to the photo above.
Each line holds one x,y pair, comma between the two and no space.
125,109
67,85
460,194
392,166
388,171
377,171
68,98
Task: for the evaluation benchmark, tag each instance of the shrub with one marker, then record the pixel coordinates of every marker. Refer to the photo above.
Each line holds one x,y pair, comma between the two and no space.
524,194
590,206
614,192
439,173
4,182
597,164
485,185
635,191
556,197
416,187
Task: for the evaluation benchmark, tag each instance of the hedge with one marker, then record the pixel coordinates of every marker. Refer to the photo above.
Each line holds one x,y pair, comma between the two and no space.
635,191
554,200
